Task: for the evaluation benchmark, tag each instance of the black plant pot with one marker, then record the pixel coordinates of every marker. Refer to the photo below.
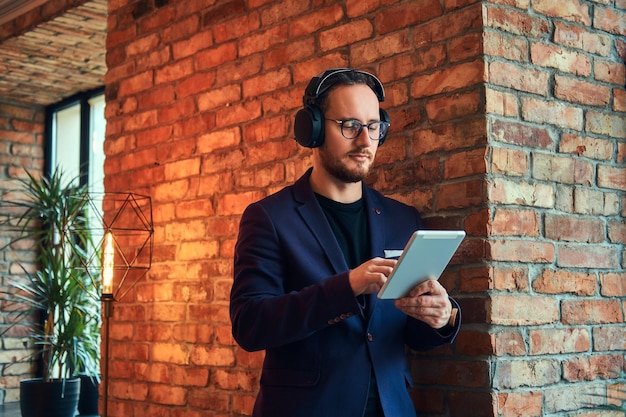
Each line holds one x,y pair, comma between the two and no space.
88,400
56,398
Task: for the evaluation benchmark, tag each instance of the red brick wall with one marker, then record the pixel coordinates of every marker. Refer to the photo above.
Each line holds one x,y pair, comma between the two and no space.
21,147
556,126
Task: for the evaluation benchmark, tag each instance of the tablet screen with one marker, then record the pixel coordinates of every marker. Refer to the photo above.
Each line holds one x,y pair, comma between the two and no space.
425,256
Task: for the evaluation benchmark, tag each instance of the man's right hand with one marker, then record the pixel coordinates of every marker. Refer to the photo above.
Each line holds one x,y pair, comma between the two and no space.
370,276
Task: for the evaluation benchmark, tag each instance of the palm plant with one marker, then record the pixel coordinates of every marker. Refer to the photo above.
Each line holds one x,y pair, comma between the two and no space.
51,213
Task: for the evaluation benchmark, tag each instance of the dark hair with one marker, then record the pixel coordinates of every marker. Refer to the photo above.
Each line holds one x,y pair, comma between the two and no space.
343,78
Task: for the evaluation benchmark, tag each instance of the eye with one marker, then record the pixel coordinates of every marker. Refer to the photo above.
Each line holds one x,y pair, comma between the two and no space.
351,125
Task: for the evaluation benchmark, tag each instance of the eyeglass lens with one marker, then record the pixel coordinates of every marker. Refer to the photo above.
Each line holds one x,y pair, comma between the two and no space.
351,129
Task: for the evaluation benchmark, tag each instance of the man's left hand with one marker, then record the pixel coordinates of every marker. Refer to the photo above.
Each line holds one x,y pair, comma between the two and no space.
427,302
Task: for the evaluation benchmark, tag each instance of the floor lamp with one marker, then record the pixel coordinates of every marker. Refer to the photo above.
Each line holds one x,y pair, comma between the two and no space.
122,235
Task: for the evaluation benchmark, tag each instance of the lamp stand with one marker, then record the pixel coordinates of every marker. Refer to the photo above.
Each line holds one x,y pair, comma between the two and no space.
107,301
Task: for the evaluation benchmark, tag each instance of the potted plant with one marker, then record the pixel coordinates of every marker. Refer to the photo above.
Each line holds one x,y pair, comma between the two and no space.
59,299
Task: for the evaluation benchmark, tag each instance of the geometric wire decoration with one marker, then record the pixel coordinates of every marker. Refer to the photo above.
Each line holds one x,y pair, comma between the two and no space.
120,252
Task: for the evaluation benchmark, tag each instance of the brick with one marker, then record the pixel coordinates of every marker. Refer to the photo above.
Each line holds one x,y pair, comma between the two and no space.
294,51
579,37
613,284
464,164
609,71
512,279
555,341
575,12
142,45
263,40
574,229
521,134
362,54
563,281
521,193
501,103
558,114
266,83
237,114
448,80
215,56
590,147
570,397
504,45
315,20
211,356
609,20
174,353
589,368
607,338
520,404
511,162
591,312
553,56
234,380
474,343
587,256
583,92
192,45
406,15
515,77
613,125
453,107
470,404
612,177
515,222
509,342
235,27
173,72
349,33
449,137
168,395
460,194
516,22
190,251
533,373
128,391
136,83
523,310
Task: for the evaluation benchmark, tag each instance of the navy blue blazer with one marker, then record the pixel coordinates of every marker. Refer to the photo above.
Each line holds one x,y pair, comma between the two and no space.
291,297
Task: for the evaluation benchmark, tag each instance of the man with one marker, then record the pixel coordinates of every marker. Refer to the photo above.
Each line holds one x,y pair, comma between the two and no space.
309,262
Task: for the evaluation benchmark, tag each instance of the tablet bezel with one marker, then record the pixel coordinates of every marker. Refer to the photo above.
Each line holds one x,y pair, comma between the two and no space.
425,256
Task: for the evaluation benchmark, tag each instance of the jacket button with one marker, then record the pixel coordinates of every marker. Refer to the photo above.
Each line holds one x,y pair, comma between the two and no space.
370,337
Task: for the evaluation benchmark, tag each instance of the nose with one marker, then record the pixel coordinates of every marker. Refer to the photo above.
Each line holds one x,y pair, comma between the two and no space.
363,138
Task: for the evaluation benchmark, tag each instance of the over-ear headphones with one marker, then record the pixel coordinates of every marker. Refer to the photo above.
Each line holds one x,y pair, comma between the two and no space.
309,121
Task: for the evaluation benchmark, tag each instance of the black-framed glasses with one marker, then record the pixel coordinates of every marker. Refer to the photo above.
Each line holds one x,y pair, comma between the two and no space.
352,128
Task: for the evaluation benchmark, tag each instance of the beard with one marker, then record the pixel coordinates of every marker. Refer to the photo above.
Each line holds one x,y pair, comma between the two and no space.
338,166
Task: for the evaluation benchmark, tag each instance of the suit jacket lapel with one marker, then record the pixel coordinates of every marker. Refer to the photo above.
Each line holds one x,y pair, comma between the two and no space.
376,219
314,217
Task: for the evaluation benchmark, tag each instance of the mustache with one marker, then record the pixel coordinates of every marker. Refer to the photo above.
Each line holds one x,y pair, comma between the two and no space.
362,151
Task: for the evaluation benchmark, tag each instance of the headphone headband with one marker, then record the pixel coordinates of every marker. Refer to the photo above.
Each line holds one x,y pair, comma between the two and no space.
320,85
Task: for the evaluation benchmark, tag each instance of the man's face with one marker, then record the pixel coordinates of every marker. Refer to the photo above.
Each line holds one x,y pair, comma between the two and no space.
349,160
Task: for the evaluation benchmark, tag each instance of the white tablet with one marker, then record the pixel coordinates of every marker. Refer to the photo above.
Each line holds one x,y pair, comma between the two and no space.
424,257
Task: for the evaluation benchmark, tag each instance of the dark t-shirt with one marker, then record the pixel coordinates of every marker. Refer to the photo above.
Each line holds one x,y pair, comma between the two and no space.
349,224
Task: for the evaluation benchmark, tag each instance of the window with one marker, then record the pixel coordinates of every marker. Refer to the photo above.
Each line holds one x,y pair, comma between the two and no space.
75,131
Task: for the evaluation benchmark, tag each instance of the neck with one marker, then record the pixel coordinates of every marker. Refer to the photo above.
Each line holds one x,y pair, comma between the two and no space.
330,187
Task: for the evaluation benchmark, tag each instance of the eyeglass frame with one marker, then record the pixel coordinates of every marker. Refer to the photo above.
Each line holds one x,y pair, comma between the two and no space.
382,123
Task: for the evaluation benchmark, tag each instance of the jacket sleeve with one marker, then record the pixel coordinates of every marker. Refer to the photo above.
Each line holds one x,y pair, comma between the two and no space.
281,293
421,337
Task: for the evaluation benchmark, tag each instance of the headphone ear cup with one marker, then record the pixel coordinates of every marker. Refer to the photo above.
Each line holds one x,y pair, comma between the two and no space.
309,127
384,117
